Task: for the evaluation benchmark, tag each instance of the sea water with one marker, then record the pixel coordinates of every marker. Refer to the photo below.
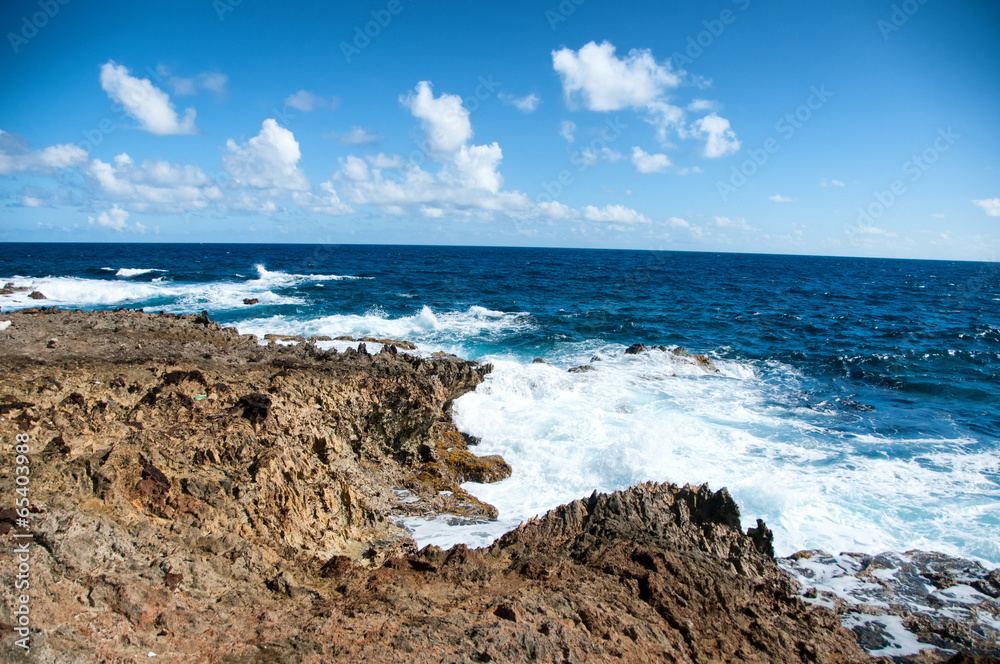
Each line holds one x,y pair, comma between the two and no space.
854,406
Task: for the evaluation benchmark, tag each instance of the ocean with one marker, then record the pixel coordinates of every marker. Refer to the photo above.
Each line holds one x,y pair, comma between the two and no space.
855,407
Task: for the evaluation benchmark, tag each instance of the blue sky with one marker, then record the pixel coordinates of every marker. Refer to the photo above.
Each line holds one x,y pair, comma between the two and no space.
860,128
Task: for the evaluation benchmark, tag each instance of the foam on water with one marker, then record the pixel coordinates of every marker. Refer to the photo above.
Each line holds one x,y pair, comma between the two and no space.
658,417
159,294
134,271
446,331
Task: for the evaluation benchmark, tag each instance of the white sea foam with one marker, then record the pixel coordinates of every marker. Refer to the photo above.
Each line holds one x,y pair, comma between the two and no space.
654,416
175,297
135,271
446,331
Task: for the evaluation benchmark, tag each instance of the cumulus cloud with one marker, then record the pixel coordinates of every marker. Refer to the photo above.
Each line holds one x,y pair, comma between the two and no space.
615,214
114,218
16,156
307,102
739,224
145,102
831,183
476,167
155,186
526,104
268,160
601,81
327,202
596,79
444,119
649,163
990,205
566,129
720,139
382,160
778,198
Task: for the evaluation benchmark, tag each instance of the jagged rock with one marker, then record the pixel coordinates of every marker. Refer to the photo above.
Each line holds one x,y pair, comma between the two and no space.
250,300
258,523
702,360
403,345
581,369
35,295
541,360
635,349
255,406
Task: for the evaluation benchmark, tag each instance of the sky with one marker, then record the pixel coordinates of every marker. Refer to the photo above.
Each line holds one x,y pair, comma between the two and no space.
830,127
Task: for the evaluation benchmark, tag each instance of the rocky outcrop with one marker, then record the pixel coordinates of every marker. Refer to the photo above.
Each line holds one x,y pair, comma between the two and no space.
942,601
197,496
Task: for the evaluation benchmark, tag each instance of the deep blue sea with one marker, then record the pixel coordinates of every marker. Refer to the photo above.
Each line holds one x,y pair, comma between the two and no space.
856,408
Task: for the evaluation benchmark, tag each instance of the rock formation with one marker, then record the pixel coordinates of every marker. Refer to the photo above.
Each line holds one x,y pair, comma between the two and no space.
200,498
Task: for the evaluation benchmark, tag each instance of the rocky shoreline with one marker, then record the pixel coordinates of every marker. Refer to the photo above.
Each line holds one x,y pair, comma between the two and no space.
198,497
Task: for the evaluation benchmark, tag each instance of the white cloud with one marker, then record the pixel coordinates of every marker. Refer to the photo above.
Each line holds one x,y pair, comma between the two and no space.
689,170
154,185
33,202
831,183
739,224
526,104
990,205
476,167
268,160
307,102
701,105
598,80
778,198
114,218
649,163
605,82
145,102
212,81
615,214
15,156
358,136
326,203
875,230
566,129
444,119
678,222
721,140
355,169
382,160
589,156
557,210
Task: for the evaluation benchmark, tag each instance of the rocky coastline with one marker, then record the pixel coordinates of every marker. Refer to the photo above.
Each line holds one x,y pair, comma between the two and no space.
198,497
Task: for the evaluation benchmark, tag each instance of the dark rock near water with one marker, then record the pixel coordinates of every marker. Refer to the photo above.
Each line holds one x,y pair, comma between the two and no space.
250,300
635,349
172,516
35,295
581,369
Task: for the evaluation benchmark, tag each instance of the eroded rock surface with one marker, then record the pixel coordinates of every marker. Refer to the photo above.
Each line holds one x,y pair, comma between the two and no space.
206,499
